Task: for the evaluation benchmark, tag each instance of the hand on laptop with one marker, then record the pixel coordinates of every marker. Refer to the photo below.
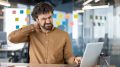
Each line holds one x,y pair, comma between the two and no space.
77,60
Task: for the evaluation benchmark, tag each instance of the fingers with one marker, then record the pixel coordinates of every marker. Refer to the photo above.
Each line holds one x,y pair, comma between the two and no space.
36,26
78,60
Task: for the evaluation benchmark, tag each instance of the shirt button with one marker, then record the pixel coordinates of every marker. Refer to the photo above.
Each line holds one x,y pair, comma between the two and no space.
32,30
46,42
46,34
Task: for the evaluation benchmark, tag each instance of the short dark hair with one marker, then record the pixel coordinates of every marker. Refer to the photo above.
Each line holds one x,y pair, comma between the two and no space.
41,8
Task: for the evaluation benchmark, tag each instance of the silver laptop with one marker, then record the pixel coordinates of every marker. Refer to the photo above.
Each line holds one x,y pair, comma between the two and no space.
91,54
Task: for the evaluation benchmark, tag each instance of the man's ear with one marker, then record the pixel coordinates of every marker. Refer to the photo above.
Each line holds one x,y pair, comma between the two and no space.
37,20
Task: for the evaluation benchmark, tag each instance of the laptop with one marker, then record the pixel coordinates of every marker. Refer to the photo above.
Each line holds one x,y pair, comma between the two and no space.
91,54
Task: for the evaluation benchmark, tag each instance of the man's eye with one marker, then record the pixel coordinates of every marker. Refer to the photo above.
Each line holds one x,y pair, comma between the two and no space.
50,17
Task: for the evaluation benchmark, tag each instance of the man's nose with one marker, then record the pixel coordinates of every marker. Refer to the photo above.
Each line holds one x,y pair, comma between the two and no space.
48,21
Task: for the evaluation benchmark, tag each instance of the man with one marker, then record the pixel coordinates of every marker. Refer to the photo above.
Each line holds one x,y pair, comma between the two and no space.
48,45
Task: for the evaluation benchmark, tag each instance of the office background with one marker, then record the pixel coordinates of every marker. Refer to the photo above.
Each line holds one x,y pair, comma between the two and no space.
83,25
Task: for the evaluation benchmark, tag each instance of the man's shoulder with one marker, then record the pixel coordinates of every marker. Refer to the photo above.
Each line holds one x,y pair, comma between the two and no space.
60,31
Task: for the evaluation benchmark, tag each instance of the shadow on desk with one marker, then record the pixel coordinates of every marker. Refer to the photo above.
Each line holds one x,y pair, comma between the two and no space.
39,65
35,65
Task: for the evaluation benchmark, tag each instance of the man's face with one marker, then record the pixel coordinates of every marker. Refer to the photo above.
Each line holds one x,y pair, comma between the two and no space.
45,21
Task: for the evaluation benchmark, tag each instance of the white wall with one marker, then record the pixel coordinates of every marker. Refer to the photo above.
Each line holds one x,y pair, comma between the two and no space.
10,23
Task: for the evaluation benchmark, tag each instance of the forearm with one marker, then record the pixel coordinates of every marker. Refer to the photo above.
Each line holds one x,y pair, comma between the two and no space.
68,51
71,60
69,57
21,35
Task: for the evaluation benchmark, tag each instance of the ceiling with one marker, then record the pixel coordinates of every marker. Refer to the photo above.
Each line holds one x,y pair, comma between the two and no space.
33,2
78,4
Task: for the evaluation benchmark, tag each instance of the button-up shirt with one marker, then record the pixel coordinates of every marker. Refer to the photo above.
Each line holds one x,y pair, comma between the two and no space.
53,47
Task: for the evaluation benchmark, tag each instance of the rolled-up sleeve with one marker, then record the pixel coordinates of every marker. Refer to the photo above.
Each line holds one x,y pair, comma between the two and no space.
69,57
20,35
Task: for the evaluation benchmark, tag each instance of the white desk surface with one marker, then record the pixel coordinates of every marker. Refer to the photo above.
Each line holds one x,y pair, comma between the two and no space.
39,65
34,65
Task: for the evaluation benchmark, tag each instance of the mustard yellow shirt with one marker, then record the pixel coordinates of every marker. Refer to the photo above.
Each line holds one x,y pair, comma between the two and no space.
53,47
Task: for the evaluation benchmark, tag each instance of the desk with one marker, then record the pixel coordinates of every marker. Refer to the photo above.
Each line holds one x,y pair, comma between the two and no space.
34,65
109,66
38,65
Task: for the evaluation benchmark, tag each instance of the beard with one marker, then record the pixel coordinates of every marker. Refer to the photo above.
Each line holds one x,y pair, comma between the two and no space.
48,26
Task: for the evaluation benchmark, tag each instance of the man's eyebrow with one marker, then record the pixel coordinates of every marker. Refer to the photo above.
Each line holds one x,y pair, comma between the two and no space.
49,16
44,18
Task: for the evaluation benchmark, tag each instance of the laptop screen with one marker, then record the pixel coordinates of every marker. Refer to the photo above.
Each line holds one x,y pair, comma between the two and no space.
91,54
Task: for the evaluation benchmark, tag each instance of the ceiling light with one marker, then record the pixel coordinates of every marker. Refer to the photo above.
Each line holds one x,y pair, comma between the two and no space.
78,11
97,0
94,7
4,3
86,2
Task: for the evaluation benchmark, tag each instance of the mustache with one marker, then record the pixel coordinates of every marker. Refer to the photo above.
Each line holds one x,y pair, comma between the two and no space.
48,24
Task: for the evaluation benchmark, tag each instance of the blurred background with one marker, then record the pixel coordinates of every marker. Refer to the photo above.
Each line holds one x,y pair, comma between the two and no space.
86,21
